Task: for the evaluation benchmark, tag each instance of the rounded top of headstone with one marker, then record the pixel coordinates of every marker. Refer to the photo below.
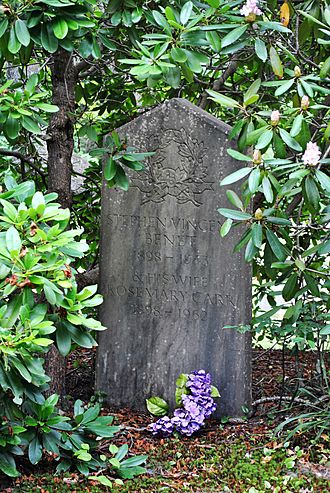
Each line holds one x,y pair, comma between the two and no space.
177,106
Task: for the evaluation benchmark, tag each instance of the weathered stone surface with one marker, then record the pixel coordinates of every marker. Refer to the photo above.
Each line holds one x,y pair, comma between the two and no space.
170,284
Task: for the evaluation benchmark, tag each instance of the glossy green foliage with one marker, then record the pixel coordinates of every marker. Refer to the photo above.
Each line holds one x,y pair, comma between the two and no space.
40,305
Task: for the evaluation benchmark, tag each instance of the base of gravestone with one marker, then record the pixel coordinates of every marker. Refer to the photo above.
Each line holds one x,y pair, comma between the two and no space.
171,286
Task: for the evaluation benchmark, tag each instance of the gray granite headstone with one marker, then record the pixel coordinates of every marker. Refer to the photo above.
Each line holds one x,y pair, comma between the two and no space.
170,283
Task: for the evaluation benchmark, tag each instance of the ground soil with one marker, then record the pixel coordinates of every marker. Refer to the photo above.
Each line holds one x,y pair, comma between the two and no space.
275,376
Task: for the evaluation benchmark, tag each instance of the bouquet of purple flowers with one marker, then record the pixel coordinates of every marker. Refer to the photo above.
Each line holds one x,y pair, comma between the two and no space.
195,396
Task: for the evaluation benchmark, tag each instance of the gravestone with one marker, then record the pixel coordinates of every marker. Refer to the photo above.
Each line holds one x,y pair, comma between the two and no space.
170,283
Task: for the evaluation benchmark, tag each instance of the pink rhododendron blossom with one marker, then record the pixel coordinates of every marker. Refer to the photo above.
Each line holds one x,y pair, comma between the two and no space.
251,7
312,154
304,102
275,117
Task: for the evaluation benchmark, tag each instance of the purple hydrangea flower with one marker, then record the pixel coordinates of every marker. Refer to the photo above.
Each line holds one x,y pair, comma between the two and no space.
194,409
206,403
185,423
198,405
162,426
199,382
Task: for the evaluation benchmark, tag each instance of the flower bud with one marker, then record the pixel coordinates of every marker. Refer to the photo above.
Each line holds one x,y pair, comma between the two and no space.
258,214
275,118
257,159
297,71
304,102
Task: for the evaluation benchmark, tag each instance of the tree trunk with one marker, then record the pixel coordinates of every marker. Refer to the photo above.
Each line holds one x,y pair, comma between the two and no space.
60,130
60,147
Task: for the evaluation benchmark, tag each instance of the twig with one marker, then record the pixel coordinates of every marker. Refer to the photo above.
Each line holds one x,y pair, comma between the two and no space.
277,398
218,83
25,159
74,172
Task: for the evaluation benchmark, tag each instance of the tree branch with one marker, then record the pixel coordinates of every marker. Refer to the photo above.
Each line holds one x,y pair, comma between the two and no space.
218,83
25,159
88,278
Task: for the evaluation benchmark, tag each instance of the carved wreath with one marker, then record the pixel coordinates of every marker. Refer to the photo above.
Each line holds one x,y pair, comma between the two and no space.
186,180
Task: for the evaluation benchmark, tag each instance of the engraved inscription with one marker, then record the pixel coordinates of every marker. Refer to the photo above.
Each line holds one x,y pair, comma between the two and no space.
178,168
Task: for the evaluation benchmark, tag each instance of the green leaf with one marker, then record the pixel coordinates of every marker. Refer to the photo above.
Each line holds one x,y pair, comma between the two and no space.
22,370
254,180
279,220
130,472
290,287
284,87
80,337
121,179
157,406
214,39
225,228
325,68
60,28
50,295
161,21
48,40
30,125
213,3
238,155
236,176
134,461
222,99
173,77
214,392
323,180
252,91
233,35
178,55
7,466
96,50
264,139
290,141
257,234
234,199
231,214
42,341
48,108
296,126
12,127
13,241
312,284
22,32
110,169
181,381
35,451
186,13
267,189
311,193
102,480
37,200
274,26
261,49
275,245
3,26
250,251
122,451
275,62
325,331
13,44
